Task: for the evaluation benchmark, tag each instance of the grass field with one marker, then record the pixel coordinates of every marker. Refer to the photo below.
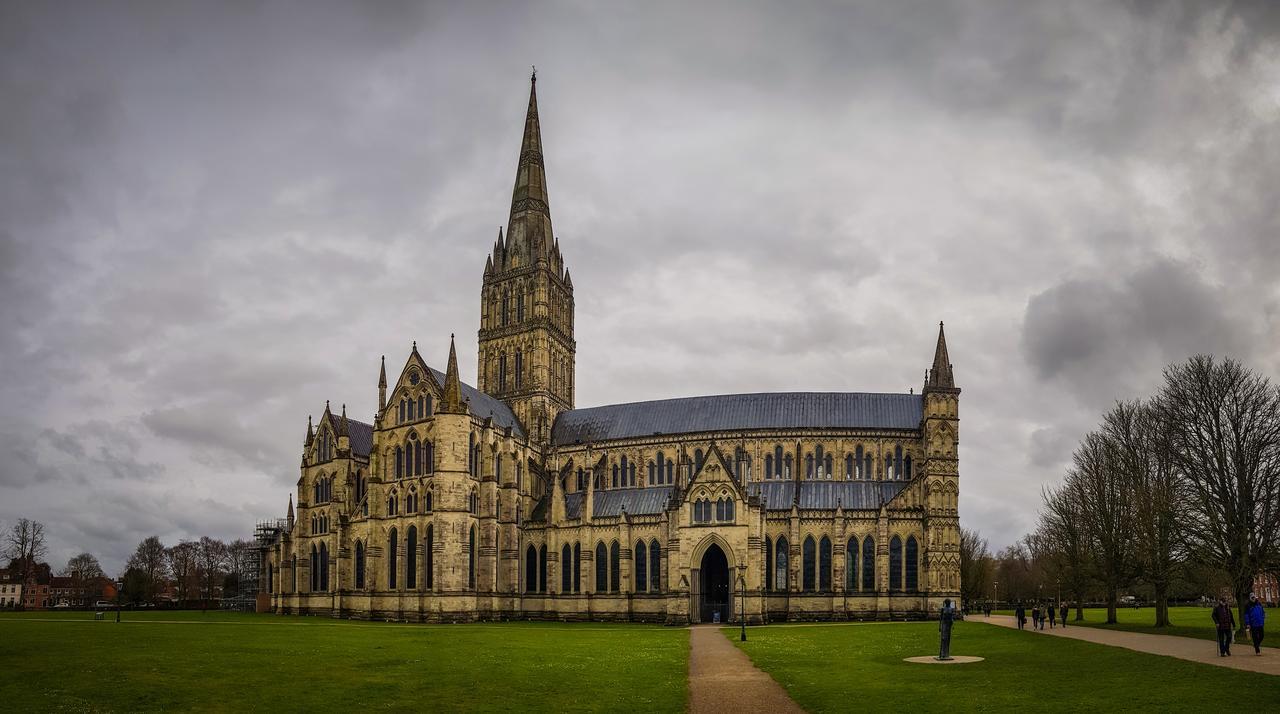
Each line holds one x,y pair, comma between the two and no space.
179,661
1184,621
839,668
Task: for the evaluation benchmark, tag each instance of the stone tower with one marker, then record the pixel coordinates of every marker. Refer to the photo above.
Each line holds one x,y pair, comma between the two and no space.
526,350
941,436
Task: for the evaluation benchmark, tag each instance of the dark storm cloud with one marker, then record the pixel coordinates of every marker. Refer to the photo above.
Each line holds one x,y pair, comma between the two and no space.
215,217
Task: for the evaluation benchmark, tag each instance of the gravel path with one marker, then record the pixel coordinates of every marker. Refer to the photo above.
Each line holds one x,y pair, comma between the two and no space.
723,679
1188,648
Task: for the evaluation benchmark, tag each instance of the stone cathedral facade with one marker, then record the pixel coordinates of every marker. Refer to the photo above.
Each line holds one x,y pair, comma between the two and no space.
504,500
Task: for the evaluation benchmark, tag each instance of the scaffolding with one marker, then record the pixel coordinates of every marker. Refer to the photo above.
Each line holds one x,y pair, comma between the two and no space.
252,566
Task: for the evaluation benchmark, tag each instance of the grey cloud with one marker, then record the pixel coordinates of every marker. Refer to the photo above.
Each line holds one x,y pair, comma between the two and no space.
1108,337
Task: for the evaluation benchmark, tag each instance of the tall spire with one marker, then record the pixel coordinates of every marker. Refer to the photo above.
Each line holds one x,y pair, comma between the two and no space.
452,400
941,375
529,230
310,432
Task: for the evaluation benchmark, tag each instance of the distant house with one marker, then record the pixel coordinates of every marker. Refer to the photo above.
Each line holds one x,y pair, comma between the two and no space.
1267,588
10,592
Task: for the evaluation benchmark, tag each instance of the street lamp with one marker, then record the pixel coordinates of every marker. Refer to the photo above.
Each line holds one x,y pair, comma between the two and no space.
742,589
997,588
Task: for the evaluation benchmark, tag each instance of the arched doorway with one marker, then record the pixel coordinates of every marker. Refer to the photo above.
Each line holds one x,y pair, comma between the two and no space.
713,585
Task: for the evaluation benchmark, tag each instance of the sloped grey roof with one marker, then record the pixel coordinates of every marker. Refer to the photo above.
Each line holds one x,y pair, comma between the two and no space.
483,405
361,435
732,412
638,501
777,495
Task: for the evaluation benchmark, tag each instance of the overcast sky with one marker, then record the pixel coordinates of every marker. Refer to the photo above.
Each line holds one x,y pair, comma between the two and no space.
215,217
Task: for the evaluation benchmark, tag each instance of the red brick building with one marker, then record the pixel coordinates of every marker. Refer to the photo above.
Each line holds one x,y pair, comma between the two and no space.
1267,587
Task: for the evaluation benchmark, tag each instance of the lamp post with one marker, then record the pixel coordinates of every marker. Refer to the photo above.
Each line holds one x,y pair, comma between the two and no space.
1059,592
742,598
997,589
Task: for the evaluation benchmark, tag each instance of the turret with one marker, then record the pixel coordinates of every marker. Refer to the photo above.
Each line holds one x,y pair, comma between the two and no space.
382,385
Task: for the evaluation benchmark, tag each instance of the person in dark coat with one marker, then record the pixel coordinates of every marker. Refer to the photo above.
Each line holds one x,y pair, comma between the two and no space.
1254,616
1020,614
1035,617
1053,616
1226,622
1062,613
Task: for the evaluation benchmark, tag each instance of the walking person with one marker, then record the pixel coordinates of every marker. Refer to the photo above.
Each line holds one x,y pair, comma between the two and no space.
1053,616
1254,616
1035,617
1226,622
1063,614
1020,614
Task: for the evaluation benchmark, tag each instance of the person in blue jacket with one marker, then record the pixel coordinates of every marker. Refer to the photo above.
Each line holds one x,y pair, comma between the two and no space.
1254,616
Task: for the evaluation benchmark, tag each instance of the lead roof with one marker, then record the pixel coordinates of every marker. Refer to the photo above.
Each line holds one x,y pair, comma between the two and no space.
738,412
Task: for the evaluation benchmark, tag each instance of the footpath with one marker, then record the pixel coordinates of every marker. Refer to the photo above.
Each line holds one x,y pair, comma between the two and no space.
723,679
1189,648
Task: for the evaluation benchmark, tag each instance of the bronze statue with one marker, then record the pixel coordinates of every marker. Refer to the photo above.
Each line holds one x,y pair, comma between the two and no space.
945,618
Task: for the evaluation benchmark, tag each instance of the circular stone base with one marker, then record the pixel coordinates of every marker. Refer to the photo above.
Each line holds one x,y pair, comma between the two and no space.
955,659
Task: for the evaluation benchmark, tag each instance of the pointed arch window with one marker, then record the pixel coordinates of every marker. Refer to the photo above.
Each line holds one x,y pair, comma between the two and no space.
506,307
698,459
913,565
851,565
519,368
392,504
426,500
422,406
857,458
808,466
848,466
615,475
780,565
824,564
768,466
829,466
897,455
888,467
719,509
768,562
409,408
324,567
315,568
520,308
502,372
399,462
602,568
867,472
868,565
653,474
623,471
392,544
411,558
906,468
809,555
671,472
410,450
615,567
777,462
786,471
566,569
655,566
640,563
895,563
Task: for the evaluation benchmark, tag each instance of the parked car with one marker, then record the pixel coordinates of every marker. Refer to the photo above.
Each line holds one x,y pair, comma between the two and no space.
102,604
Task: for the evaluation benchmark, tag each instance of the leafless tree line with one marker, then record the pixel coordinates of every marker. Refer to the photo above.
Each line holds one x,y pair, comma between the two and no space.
1189,478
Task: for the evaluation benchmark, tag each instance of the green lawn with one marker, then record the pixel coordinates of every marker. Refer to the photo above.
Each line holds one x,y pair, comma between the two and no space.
838,668
1184,621
166,661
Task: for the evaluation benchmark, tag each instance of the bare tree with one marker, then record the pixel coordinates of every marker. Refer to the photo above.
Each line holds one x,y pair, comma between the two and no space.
211,558
182,566
83,567
24,544
240,563
1065,541
1142,455
1223,426
975,567
1015,573
1106,511
151,560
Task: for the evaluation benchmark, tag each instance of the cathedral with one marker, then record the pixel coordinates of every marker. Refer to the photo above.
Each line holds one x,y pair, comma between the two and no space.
504,500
